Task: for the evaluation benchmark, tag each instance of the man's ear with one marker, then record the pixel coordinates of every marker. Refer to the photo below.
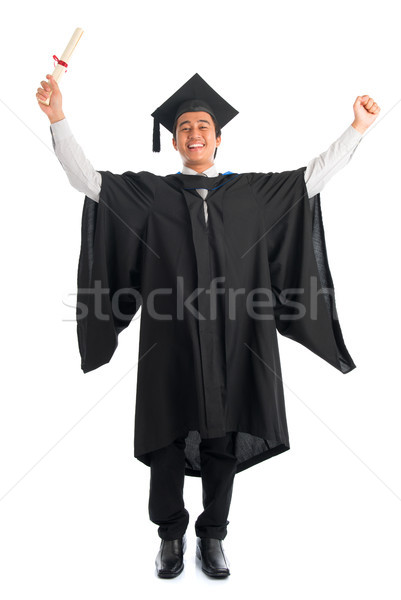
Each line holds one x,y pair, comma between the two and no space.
175,144
218,140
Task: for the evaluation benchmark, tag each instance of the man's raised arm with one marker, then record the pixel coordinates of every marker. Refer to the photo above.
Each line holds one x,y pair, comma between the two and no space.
80,172
324,166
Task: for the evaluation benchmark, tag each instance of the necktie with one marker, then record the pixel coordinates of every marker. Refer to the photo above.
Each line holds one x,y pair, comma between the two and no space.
203,193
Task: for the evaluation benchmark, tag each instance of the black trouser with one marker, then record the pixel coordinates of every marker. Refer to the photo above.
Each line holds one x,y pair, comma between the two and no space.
167,473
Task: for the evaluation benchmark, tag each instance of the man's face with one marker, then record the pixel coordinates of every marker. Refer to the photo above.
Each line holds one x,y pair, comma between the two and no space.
196,139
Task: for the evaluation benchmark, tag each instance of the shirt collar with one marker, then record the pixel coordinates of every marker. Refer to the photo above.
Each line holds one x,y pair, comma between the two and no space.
211,172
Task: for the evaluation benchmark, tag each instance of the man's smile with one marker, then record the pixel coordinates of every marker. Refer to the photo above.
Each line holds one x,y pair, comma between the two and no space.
195,146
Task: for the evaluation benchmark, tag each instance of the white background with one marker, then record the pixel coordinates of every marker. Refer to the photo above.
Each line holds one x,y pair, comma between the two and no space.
319,521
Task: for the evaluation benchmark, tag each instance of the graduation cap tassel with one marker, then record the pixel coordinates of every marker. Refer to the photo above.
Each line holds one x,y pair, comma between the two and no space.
156,135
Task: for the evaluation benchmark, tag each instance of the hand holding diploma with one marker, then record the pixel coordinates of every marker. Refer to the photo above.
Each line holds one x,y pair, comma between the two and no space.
51,90
49,95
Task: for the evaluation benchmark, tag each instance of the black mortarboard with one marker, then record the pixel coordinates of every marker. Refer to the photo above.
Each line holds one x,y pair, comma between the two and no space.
195,95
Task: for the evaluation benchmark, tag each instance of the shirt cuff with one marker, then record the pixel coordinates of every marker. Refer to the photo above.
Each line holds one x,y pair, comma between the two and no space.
60,130
351,137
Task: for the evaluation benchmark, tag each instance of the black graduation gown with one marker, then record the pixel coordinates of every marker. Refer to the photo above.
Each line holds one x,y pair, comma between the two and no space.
209,363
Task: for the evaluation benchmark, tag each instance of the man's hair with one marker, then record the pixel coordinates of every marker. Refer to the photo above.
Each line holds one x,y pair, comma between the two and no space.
216,126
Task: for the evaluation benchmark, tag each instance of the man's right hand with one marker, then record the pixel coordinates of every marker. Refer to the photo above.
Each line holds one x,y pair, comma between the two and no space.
54,111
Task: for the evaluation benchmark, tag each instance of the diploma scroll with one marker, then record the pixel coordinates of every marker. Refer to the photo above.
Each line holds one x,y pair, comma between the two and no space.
65,58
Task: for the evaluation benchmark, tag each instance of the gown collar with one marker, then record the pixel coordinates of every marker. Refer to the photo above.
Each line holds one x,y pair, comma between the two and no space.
211,172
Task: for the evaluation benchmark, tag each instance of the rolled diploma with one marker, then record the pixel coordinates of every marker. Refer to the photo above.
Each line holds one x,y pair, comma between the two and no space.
59,69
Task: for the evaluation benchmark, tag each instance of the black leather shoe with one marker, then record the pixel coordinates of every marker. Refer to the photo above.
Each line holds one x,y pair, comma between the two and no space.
170,558
211,554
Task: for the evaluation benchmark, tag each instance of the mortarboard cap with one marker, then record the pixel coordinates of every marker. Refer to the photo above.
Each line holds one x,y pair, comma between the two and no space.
195,95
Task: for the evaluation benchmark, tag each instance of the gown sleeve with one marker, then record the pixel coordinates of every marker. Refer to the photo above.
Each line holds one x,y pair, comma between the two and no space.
301,282
113,233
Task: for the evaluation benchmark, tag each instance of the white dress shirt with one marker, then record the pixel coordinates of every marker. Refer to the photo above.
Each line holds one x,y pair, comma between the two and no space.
84,178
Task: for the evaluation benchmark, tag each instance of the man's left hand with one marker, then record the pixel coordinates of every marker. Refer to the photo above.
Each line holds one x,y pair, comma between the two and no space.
366,111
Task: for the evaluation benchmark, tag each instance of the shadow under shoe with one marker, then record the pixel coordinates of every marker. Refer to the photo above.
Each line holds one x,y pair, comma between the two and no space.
211,554
170,558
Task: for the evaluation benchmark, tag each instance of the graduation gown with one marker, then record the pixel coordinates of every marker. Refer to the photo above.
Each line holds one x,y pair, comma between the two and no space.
212,296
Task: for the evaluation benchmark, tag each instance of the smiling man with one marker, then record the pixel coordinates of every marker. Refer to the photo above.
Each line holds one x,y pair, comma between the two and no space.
196,140
210,399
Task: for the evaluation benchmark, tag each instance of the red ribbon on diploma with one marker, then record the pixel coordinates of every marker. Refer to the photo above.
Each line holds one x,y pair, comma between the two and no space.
60,62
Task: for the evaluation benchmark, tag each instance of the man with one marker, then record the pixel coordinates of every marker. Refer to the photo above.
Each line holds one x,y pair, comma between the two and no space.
217,262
